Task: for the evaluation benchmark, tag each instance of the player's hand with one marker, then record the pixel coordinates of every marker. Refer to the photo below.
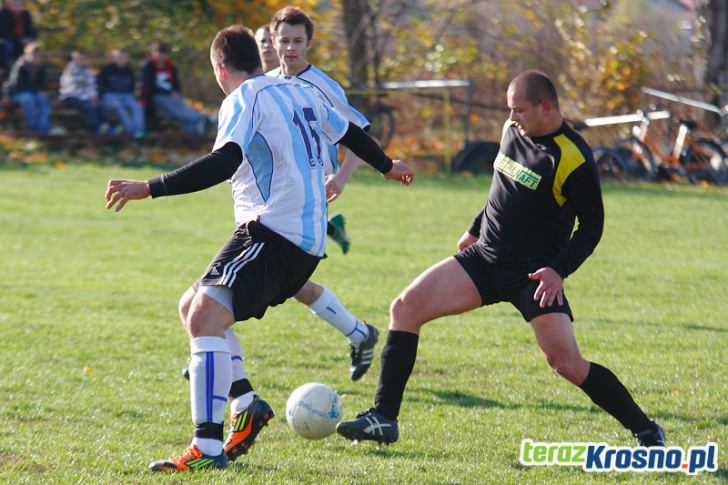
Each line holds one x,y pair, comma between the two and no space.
119,192
334,187
466,240
550,288
401,172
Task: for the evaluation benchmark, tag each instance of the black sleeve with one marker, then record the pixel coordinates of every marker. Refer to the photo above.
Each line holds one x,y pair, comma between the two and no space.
213,168
364,147
582,191
475,225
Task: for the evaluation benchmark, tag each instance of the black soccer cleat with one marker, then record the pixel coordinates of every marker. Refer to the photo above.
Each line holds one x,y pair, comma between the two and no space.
655,436
186,373
363,353
370,426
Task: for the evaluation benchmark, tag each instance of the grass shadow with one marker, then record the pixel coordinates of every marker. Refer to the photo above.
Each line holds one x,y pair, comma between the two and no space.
241,466
462,399
384,451
678,325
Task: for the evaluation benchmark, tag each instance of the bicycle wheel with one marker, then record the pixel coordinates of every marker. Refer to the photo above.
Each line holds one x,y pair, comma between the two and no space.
638,157
717,158
610,163
698,164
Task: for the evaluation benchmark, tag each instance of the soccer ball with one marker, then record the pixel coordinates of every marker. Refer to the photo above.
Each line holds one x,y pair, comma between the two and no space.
313,410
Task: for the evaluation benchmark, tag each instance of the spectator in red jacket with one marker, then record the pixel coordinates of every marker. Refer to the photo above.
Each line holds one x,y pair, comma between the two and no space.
161,92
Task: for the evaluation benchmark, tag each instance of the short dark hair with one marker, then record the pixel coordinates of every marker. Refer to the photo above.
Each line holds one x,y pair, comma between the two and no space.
538,87
292,16
235,48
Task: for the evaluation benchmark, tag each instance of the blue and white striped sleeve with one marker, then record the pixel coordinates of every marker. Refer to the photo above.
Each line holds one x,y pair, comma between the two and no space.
233,120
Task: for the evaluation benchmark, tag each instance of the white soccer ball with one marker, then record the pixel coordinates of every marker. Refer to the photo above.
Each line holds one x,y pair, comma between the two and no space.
313,410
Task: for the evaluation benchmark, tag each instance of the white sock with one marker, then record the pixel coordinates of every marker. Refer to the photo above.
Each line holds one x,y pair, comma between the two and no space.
210,380
208,446
240,403
328,307
236,355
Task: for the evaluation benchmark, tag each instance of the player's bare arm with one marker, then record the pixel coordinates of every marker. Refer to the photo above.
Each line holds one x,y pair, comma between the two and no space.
335,183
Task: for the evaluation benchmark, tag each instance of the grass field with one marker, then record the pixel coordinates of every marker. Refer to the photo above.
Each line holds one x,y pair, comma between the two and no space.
90,385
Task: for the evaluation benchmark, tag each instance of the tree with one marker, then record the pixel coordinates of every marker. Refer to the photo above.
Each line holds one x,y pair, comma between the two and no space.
715,15
355,14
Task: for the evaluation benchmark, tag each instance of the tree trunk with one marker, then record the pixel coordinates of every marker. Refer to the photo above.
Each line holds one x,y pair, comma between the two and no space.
716,72
355,25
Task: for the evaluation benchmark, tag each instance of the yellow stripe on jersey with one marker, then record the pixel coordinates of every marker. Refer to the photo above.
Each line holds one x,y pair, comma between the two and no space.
571,159
507,124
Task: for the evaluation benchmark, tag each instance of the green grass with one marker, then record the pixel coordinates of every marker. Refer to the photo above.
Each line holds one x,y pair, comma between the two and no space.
90,386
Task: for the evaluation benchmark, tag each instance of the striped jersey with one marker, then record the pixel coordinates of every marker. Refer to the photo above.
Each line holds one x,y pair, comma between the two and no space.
334,94
283,129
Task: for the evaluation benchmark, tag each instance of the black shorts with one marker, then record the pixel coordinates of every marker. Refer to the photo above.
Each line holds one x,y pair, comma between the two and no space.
261,267
499,281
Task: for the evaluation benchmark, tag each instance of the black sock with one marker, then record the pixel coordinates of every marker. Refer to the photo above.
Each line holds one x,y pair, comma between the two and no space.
238,388
211,431
398,360
604,388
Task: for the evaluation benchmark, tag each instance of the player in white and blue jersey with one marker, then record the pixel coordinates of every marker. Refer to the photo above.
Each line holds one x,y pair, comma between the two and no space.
271,144
292,32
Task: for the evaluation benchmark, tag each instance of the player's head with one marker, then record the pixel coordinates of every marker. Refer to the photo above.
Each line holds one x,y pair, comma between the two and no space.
292,38
265,47
534,103
234,52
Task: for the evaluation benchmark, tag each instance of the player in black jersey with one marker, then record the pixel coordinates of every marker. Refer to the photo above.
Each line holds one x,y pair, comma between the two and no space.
519,249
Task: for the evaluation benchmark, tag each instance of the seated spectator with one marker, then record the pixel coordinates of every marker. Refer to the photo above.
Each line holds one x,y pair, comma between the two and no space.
78,89
26,86
16,31
116,88
161,92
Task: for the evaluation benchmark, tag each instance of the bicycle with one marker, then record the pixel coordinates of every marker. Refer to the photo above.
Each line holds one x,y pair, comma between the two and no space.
694,160
717,138
611,163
